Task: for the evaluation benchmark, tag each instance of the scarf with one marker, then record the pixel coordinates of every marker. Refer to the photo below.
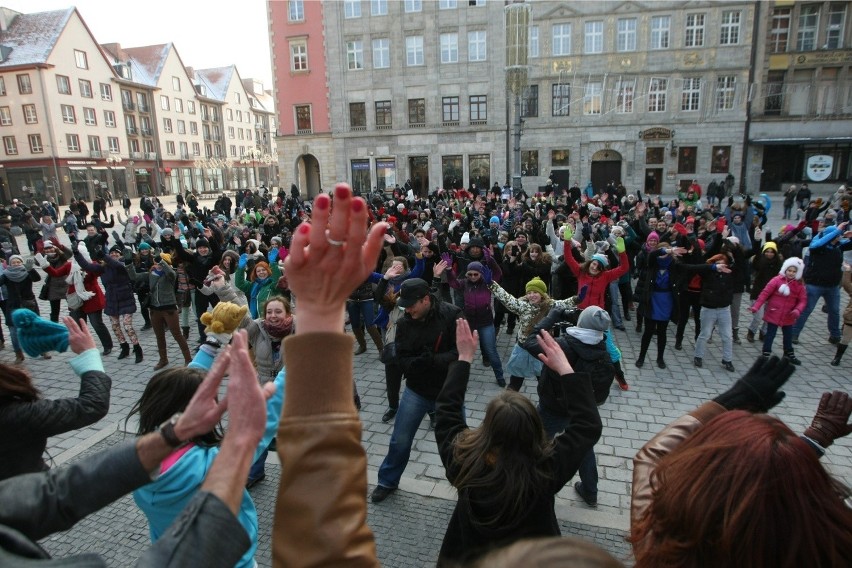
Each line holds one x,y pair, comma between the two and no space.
280,331
255,292
587,336
17,273
75,278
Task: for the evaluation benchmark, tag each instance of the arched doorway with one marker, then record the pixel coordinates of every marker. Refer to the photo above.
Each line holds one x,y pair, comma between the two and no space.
606,167
308,176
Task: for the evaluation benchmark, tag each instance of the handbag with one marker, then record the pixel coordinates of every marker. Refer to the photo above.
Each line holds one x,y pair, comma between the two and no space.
75,302
389,349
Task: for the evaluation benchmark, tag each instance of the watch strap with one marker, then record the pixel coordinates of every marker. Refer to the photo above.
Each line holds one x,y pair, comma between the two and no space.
167,431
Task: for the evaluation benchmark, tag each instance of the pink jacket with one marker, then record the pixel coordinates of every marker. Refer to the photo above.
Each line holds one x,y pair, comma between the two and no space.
782,310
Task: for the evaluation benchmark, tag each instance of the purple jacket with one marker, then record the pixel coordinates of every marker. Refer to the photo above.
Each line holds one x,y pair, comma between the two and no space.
477,298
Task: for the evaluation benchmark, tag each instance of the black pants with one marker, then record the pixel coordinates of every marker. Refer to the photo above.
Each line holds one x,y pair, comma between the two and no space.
652,327
96,319
393,382
143,303
54,310
689,301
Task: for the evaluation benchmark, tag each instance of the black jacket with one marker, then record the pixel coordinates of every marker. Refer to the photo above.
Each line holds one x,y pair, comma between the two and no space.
717,288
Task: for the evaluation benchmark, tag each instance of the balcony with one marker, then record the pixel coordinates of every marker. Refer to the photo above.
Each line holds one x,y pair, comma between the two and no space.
258,126
128,105
304,131
144,108
478,122
384,126
207,136
147,132
136,156
95,154
417,125
357,128
184,155
450,123
217,138
131,130
150,155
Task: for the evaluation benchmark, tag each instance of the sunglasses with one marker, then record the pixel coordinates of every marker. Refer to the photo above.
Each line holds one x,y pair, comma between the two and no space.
472,274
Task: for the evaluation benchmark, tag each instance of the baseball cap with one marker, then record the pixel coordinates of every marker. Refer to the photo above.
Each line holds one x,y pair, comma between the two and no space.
411,291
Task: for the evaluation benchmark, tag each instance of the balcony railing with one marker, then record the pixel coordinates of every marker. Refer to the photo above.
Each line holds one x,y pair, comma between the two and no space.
131,130
95,154
417,125
144,108
384,126
184,155
207,136
304,131
217,137
147,132
357,128
128,105
150,155
136,156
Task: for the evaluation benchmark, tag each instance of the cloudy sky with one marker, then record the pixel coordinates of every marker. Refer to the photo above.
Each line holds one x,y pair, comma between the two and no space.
206,34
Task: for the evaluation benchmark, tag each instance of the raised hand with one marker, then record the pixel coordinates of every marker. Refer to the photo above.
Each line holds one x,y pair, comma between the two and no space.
487,276
466,341
831,420
205,409
393,271
758,390
439,268
79,337
552,355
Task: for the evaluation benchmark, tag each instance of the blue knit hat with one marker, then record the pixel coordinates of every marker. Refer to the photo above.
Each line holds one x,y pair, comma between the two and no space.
37,336
495,219
601,258
144,246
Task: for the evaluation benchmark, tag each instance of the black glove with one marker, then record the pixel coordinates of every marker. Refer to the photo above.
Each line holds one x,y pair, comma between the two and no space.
757,390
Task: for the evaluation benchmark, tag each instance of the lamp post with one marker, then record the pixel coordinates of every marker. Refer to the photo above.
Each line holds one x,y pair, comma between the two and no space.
251,157
516,19
113,159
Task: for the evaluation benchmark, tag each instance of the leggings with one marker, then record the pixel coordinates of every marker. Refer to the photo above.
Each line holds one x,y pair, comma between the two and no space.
125,320
54,310
651,327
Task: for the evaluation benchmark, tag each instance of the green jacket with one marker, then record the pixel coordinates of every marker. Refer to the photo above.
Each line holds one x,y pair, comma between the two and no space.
263,294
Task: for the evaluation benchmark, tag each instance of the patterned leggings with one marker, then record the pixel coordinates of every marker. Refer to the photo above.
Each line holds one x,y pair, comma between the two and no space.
127,321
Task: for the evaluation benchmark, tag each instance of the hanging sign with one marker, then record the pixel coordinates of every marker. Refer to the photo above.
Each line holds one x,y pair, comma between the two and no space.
819,167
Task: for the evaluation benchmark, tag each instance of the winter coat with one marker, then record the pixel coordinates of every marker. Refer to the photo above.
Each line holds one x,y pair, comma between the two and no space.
97,302
117,283
847,286
596,285
782,310
477,301
267,359
527,313
20,293
161,287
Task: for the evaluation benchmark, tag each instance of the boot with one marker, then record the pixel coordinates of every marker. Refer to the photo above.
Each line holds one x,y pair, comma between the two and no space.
125,351
837,356
791,357
137,350
750,336
736,334
376,336
19,356
185,330
362,341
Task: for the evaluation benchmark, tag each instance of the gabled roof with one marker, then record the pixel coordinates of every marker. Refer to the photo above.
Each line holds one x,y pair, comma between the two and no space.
216,80
30,38
148,61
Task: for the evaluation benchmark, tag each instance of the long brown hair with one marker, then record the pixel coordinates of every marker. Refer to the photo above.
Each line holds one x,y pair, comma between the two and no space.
543,257
504,458
743,491
16,384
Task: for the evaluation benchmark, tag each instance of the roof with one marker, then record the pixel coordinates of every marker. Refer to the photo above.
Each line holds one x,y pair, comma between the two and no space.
216,80
147,62
30,38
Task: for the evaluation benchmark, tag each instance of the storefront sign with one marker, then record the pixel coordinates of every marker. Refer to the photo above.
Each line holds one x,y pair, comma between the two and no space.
81,162
819,167
824,58
656,133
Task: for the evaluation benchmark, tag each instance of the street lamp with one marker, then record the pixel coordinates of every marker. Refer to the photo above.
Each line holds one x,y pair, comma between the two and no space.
113,159
251,157
516,21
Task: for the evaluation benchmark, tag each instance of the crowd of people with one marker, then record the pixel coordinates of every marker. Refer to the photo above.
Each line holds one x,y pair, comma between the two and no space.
434,278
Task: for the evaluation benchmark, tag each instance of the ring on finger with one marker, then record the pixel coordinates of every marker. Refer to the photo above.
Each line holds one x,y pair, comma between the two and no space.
332,242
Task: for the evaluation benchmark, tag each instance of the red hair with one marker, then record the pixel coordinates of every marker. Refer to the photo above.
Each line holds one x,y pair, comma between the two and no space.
743,491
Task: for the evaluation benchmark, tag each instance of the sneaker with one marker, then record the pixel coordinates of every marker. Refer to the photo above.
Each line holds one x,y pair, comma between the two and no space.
622,383
728,366
380,493
834,340
620,328
388,416
591,500
697,362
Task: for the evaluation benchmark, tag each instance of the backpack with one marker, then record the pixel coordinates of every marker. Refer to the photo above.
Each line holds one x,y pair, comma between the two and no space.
601,371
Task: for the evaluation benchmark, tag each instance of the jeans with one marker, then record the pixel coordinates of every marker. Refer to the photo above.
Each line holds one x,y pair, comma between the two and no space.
721,318
488,346
615,304
554,425
786,335
258,468
412,409
757,321
831,295
361,314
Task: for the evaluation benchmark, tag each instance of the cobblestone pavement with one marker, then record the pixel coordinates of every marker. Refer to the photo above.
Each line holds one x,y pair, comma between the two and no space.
415,516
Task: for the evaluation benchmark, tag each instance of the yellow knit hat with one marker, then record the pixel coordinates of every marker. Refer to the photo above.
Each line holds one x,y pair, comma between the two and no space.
537,285
770,245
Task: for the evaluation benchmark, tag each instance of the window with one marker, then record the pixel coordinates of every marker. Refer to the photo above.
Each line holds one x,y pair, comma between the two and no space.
241,133
654,155
532,49
447,4
30,116
417,111
296,11
357,115
414,50
774,93
476,46
657,94
239,116
109,118
170,148
660,27
130,124
690,99
378,7
232,133
593,41
686,159
412,6
725,87
145,125
113,144
383,114
529,102
449,48
694,30
181,126
808,22
561,99
593,98
184,150
478,108
72,141
451,172
720,162
5,116
626,37
351,8
561,39
2,87
25,87
68,116
626,90
779,34
164,102
196,149
193,128
190,107
10,145
80,59
303,119
106,92
730,32
85,88
381,53
142,102
529,162
127,100
834,26
176,84
354,55
90,117
450,109
63,84
479,170
178,105
229,114
36,147
560,158
298,57
167,125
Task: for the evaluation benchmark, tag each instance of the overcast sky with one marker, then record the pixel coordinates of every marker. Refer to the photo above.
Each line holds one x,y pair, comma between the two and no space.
206,34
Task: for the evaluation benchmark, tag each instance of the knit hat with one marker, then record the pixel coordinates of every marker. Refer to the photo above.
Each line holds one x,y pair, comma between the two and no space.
38,336
167,232
770,246
116,248
476,242
144,246
465,238
475,267
14,256
601,258
166,257
494,219
654,236
594,318
733,240
537,285
202,242
48,245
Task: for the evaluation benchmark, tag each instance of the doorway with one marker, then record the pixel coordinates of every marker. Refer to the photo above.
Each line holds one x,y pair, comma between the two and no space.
653,181
561,179
418,175
606,167
308,174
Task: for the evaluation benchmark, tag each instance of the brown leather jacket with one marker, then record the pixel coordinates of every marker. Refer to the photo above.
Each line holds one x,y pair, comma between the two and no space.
321,513
658,447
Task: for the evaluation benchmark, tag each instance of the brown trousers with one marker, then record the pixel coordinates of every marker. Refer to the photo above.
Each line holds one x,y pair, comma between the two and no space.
160,319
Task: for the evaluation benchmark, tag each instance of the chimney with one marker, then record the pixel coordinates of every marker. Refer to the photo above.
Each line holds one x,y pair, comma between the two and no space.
7,16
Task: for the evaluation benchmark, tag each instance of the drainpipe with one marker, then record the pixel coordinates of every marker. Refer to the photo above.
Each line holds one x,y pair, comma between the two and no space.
747,128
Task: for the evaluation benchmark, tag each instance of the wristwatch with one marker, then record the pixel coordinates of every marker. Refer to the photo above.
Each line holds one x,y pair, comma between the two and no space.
167,431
